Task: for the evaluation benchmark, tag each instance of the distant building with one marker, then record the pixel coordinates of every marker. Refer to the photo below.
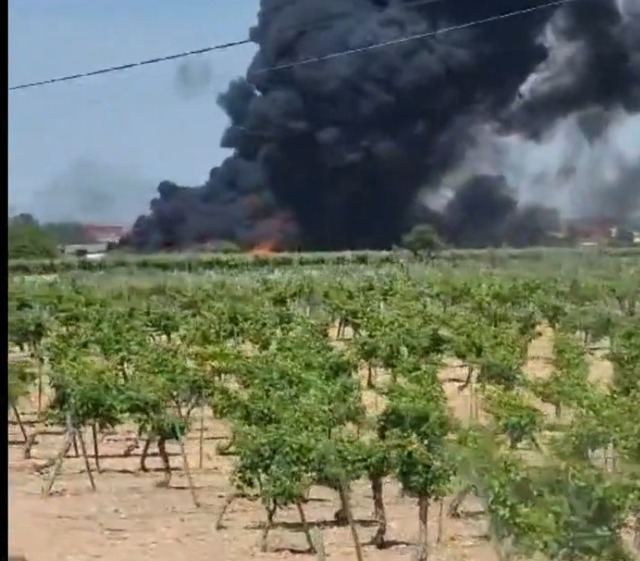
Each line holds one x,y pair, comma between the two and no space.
98,238
85,249
591,232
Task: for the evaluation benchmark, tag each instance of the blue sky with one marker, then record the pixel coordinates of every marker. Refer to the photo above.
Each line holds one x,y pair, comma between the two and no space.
121,132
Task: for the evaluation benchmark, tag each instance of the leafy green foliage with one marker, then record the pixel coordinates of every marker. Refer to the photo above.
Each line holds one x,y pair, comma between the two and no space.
514,417
416,423
568,385
66,233
21,378
27,240
261,350
625,356
423,238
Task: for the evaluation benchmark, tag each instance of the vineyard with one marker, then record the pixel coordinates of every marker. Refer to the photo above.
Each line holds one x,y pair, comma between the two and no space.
235,262
352,410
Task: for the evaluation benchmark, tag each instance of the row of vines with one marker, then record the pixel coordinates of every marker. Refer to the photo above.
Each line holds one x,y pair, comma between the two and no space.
286,360
239,262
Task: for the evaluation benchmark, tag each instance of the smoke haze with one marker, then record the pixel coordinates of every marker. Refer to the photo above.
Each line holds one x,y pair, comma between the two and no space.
194,77
90,191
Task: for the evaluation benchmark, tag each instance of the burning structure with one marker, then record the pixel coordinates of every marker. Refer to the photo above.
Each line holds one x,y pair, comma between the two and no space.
333,153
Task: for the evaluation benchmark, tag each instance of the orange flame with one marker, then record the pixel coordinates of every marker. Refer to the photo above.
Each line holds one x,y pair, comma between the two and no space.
265,248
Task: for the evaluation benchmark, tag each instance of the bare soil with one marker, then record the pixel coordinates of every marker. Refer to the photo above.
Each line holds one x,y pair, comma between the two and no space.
130,518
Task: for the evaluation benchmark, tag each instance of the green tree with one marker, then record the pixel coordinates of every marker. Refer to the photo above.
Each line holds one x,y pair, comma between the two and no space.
27,240
66,233
423,238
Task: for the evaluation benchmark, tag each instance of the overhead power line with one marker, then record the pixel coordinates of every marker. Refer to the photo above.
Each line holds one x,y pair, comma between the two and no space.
314,24
310,60
409,38
131,65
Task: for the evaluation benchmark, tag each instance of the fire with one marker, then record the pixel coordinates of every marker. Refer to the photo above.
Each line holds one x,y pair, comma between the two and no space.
265,248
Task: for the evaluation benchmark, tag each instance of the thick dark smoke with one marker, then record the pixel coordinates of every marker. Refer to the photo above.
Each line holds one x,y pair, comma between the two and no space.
593,67
484,213
346,144
232,205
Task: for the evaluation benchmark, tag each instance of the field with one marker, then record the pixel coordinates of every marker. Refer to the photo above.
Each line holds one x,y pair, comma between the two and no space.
342,403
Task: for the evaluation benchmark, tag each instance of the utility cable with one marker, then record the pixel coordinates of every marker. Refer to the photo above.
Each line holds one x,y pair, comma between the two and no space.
409,38
131,65
310,60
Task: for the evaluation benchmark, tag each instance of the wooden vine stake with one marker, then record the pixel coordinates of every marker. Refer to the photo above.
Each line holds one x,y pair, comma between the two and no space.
74,440
227,504
87,466
96,452
185,462
57,462
57,465
39,412
187,472
16,414
201,440
318,543
473,399
346,508
305,527
71,435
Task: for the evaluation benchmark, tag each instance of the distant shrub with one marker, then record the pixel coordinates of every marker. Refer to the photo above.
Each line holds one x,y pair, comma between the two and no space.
27,240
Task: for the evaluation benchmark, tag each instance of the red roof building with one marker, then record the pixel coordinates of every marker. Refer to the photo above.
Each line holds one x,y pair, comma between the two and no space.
591,231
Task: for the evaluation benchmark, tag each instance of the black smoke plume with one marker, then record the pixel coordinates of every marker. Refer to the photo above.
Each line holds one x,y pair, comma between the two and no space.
232,206
345,145
484,213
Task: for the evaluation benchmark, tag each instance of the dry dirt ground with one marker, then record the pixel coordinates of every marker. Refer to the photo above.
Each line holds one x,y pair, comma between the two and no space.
129,518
